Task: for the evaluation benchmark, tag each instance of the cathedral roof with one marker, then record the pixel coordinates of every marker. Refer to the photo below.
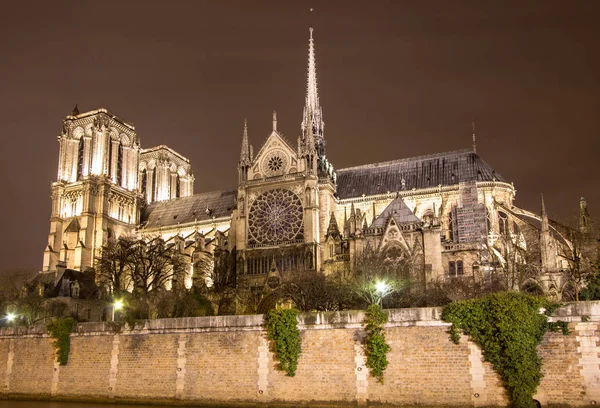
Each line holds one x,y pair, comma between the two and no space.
417,172
397,209
198,207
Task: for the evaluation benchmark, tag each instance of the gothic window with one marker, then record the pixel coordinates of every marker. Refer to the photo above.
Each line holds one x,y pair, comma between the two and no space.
75,289
502,223
120,164
80,160
144,182
451,225
153,191
452,268
275,217
177,187
275,163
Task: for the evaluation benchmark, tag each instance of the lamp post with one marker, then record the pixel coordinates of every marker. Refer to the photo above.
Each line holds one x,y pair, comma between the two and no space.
118,305
383,289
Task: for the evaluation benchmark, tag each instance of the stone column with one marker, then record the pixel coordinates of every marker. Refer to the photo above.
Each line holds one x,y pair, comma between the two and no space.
589,361
114,160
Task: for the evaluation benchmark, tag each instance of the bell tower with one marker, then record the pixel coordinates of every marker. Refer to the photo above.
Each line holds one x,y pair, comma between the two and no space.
95,195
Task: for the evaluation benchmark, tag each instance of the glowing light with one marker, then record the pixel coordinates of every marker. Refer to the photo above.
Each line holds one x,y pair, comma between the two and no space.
118,305
11,317
381,287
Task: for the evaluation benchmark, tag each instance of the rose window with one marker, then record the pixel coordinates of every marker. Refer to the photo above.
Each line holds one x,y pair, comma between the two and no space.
275,217
275,163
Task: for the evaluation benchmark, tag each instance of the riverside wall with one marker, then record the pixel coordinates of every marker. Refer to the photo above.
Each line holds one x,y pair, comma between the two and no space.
226,359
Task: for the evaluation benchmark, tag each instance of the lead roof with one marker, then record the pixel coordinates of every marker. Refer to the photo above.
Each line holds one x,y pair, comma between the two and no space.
198,207
444,169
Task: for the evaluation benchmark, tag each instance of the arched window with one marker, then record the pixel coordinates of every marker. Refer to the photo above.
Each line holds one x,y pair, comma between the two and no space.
459,268
153,191
144,181
452,268
502,223
80,160
177,187
451,226
120,164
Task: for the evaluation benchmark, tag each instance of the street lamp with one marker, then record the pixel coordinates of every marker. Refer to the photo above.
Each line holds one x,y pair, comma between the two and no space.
383,289
10,317
118,305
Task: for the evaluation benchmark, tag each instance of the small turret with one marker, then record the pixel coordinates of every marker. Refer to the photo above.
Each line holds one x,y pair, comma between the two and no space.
333,229
245,155
584,217
548,254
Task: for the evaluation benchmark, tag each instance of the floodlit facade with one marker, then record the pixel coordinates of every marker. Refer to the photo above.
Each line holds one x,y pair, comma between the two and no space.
292,209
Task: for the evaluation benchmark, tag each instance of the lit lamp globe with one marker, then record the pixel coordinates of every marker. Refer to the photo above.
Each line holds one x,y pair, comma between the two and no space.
118,305
11,317
382,288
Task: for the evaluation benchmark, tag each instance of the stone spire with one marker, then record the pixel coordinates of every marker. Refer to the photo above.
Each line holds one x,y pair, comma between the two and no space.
584,216
75,111
548,255
245,153
274,121
544,215
333,229
313,114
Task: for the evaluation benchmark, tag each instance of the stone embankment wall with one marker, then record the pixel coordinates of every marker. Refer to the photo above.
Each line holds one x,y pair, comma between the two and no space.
227,359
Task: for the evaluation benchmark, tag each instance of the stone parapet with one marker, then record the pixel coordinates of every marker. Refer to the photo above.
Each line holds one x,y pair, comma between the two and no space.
228,360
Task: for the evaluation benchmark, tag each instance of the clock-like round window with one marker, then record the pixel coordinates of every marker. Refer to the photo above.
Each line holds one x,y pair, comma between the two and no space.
275,217
275,163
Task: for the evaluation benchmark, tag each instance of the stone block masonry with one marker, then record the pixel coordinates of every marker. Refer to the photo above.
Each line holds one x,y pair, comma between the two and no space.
226,359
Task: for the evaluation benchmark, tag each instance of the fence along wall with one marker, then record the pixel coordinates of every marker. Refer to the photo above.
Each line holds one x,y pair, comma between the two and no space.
227,359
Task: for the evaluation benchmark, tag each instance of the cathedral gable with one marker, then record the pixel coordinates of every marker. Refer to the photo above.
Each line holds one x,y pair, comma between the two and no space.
392,236
275,158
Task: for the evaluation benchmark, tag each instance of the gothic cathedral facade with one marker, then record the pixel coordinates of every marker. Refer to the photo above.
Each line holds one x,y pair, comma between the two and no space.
292,209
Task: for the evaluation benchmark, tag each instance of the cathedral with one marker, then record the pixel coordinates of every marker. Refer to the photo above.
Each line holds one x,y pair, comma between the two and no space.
292,210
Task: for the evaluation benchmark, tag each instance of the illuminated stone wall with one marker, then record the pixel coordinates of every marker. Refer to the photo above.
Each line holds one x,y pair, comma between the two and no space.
226,359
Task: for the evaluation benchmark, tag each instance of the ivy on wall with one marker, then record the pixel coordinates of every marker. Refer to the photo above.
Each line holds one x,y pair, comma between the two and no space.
60,332
508,327
374,344
282,330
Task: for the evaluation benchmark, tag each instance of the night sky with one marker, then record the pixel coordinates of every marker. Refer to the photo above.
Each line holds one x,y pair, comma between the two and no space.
396,79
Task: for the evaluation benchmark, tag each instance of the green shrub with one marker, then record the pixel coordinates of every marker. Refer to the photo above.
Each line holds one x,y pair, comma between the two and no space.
60,331
282,329
374,345
508,327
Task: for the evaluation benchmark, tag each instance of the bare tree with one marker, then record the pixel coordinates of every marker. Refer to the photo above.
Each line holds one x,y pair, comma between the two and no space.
144,268
313,291
113,266
379,273
515,257
20,295
217,278
578,254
